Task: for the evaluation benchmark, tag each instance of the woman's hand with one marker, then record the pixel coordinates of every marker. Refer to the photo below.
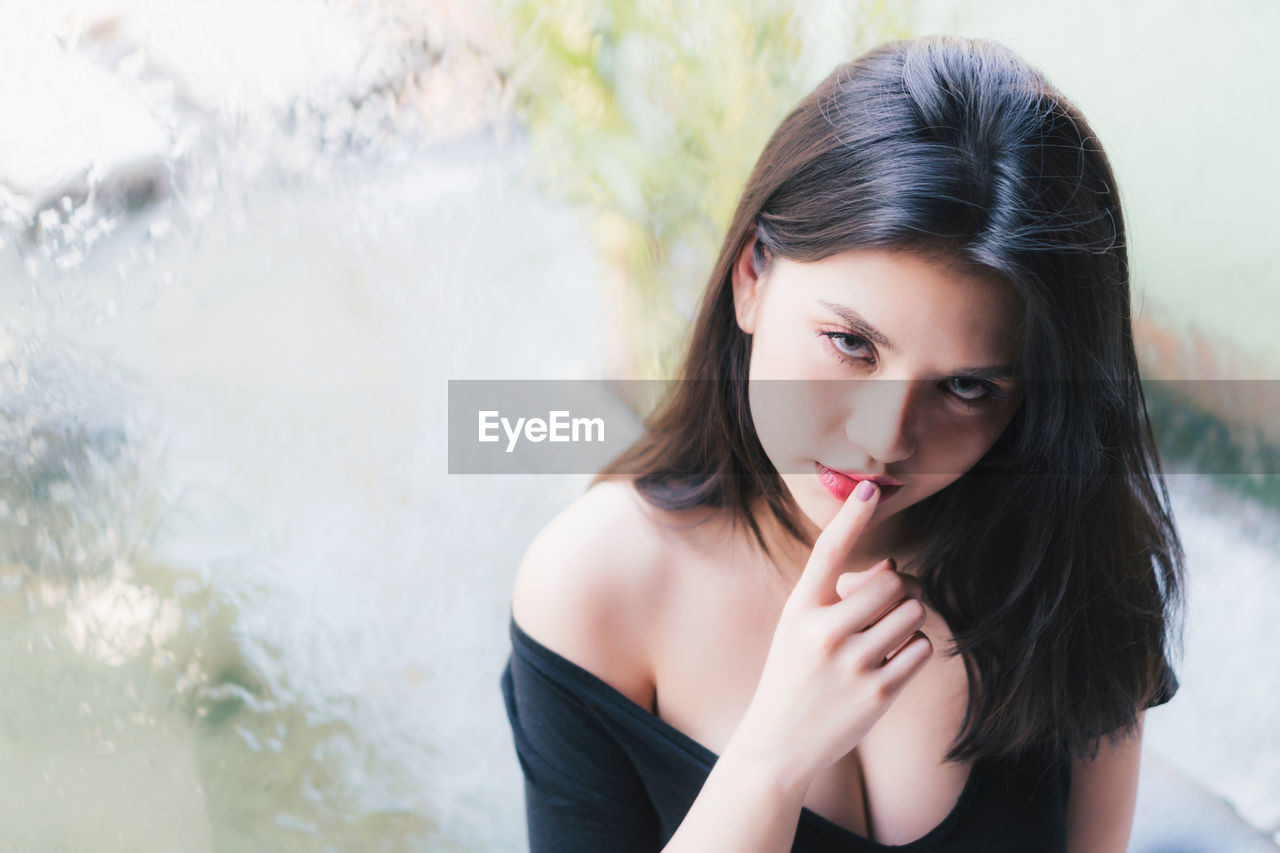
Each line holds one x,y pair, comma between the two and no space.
844,647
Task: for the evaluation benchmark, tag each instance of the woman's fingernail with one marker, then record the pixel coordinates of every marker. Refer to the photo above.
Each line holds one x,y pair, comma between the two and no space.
865,490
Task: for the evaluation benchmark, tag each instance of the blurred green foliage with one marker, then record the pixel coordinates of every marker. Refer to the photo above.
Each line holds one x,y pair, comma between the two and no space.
1235,454
653,113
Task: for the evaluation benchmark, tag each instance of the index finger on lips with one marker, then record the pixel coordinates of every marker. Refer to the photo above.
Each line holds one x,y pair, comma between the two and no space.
818,582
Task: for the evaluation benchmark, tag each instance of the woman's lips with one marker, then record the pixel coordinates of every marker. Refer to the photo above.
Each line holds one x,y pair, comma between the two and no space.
842,485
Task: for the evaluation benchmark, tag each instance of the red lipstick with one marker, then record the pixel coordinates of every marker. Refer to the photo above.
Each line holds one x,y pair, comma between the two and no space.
842,483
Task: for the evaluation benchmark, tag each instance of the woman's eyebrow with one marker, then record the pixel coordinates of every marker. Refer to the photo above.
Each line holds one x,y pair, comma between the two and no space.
856,324
860,327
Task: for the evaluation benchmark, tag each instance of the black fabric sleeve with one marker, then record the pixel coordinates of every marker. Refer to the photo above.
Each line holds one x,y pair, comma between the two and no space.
582,791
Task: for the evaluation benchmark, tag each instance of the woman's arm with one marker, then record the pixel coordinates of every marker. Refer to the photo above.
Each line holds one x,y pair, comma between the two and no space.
742,808
1104,792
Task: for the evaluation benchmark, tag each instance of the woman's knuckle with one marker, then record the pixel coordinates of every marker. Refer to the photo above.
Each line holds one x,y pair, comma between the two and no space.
893,584
914,610
819,636
920,645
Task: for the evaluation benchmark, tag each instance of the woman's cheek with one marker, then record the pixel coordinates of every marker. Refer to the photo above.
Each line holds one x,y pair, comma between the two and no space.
785,418
949,442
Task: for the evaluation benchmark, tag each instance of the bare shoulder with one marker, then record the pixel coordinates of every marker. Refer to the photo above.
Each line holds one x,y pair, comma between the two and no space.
590,583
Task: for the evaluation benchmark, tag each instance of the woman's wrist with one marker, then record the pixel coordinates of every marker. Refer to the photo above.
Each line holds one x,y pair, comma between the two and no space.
749,803
766,767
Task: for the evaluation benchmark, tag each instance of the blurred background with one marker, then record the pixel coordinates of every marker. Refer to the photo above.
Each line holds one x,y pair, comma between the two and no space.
243,247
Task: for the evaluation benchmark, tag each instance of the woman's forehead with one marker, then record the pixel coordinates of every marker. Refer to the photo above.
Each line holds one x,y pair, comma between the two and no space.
905,297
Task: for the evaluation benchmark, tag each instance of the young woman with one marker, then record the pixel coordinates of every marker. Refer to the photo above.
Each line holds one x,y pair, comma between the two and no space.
893,566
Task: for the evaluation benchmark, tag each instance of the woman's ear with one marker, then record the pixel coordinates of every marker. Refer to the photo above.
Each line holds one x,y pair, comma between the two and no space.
748,282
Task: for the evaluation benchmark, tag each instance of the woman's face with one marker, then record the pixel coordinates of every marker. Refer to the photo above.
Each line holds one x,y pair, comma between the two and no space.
939,344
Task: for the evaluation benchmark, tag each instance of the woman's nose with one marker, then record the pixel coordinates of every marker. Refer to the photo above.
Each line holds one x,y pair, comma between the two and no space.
881,421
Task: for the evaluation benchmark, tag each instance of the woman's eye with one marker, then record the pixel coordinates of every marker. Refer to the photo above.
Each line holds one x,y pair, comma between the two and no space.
972,390
974,393
847,345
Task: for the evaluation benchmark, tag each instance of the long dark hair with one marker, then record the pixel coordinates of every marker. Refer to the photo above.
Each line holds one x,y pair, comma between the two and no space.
1054,560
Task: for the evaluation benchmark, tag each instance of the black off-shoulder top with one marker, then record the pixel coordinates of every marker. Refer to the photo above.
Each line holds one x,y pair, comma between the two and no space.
601,773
